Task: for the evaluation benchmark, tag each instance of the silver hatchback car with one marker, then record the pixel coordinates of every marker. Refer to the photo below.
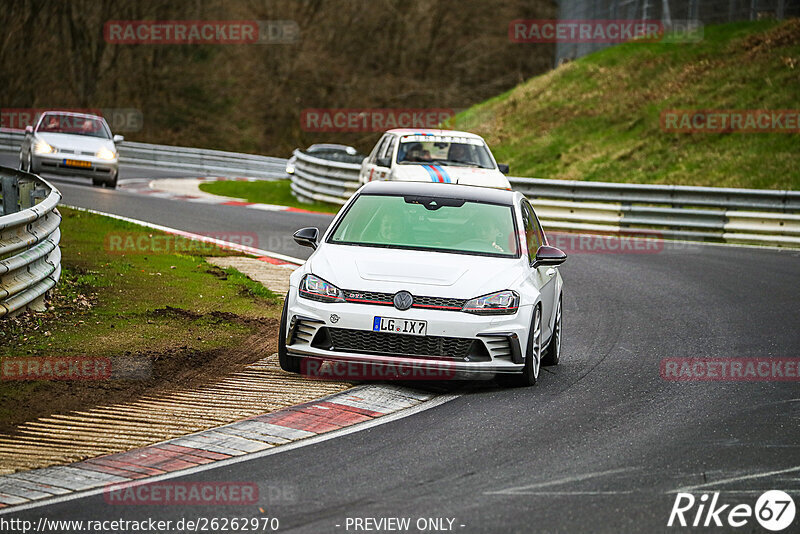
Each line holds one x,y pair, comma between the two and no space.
77,144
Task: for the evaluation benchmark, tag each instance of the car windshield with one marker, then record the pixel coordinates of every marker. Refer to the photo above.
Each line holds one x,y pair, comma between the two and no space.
74,124
444,150
429,223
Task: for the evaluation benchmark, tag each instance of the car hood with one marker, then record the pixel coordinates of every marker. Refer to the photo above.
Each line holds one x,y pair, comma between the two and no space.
453,174
84,143
423,273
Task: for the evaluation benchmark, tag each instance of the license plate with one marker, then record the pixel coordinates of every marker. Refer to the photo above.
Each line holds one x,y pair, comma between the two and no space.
399,326
77,163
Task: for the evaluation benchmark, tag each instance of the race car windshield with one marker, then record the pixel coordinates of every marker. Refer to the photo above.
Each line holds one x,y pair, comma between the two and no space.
74,124
464,152
428,223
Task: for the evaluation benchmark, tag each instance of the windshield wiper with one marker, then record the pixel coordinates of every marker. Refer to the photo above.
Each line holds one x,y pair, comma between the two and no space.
450,162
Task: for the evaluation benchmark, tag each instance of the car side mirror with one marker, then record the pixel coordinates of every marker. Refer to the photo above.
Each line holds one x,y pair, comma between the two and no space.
307,237
29,129
118,139
547,255
382,162
502,167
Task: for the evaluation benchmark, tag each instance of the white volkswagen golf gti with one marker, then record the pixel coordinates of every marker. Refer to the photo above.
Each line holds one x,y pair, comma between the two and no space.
428,276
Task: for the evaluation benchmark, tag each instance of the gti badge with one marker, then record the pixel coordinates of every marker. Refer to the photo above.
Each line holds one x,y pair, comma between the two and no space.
334,318
403,300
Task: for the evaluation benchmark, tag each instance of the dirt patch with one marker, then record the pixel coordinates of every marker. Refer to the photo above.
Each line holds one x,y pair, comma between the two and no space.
274,277
151,372
786,34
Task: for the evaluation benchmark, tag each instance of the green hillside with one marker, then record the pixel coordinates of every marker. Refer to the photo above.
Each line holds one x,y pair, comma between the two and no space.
598,118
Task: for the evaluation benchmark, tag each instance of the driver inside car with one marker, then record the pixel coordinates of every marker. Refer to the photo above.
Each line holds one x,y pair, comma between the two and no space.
458,153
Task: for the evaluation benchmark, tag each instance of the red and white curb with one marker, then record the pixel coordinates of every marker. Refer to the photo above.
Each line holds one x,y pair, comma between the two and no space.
165,188
341,413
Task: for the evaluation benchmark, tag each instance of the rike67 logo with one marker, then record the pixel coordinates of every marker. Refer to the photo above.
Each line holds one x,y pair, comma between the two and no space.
774,510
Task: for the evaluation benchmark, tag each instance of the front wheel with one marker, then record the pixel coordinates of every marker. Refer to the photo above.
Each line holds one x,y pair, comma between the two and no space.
533,356
552,355
288,363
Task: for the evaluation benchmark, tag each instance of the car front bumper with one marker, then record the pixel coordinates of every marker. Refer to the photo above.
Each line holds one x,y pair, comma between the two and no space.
55,163
496,343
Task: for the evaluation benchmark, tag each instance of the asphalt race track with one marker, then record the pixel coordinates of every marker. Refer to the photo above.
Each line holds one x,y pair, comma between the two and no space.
601,440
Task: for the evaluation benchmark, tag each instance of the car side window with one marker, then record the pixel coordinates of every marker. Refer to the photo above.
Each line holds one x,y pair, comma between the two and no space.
539,231
379,150
388,149
532,230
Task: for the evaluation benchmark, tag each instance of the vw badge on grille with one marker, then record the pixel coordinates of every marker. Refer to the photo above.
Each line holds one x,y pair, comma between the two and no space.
403,300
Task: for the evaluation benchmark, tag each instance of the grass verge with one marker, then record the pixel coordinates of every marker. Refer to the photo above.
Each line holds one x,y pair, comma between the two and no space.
171,314
276,192
598,118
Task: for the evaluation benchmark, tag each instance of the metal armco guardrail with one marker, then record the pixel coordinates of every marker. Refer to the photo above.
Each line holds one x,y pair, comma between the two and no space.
203,162
764,217
322,180
30,259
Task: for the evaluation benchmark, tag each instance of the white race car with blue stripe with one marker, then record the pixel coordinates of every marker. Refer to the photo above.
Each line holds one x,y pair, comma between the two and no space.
443,156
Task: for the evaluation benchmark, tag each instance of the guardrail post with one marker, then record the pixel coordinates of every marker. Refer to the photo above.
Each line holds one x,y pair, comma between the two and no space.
10,195
26,195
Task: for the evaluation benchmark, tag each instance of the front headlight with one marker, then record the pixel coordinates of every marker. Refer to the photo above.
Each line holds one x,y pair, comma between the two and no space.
315,288
501,303
41,147
105,153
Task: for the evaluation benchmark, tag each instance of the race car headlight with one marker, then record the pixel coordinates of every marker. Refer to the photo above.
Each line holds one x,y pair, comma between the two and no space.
41,147
501,303
315,288
105,153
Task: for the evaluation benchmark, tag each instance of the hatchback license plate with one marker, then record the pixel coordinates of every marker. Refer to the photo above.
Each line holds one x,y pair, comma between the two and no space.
399,326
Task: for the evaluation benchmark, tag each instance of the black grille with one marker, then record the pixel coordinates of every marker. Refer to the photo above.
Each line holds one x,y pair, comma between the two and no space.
369,297
438,302
386,299
343,339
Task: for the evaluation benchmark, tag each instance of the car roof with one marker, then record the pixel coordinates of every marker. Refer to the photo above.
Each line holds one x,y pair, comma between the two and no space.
428,131
467,192
71,113
323,146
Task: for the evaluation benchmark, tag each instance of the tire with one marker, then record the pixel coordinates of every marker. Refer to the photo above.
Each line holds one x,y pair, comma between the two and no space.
29,165
552,354
97,182
288,363
533,356
112,184
21,161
